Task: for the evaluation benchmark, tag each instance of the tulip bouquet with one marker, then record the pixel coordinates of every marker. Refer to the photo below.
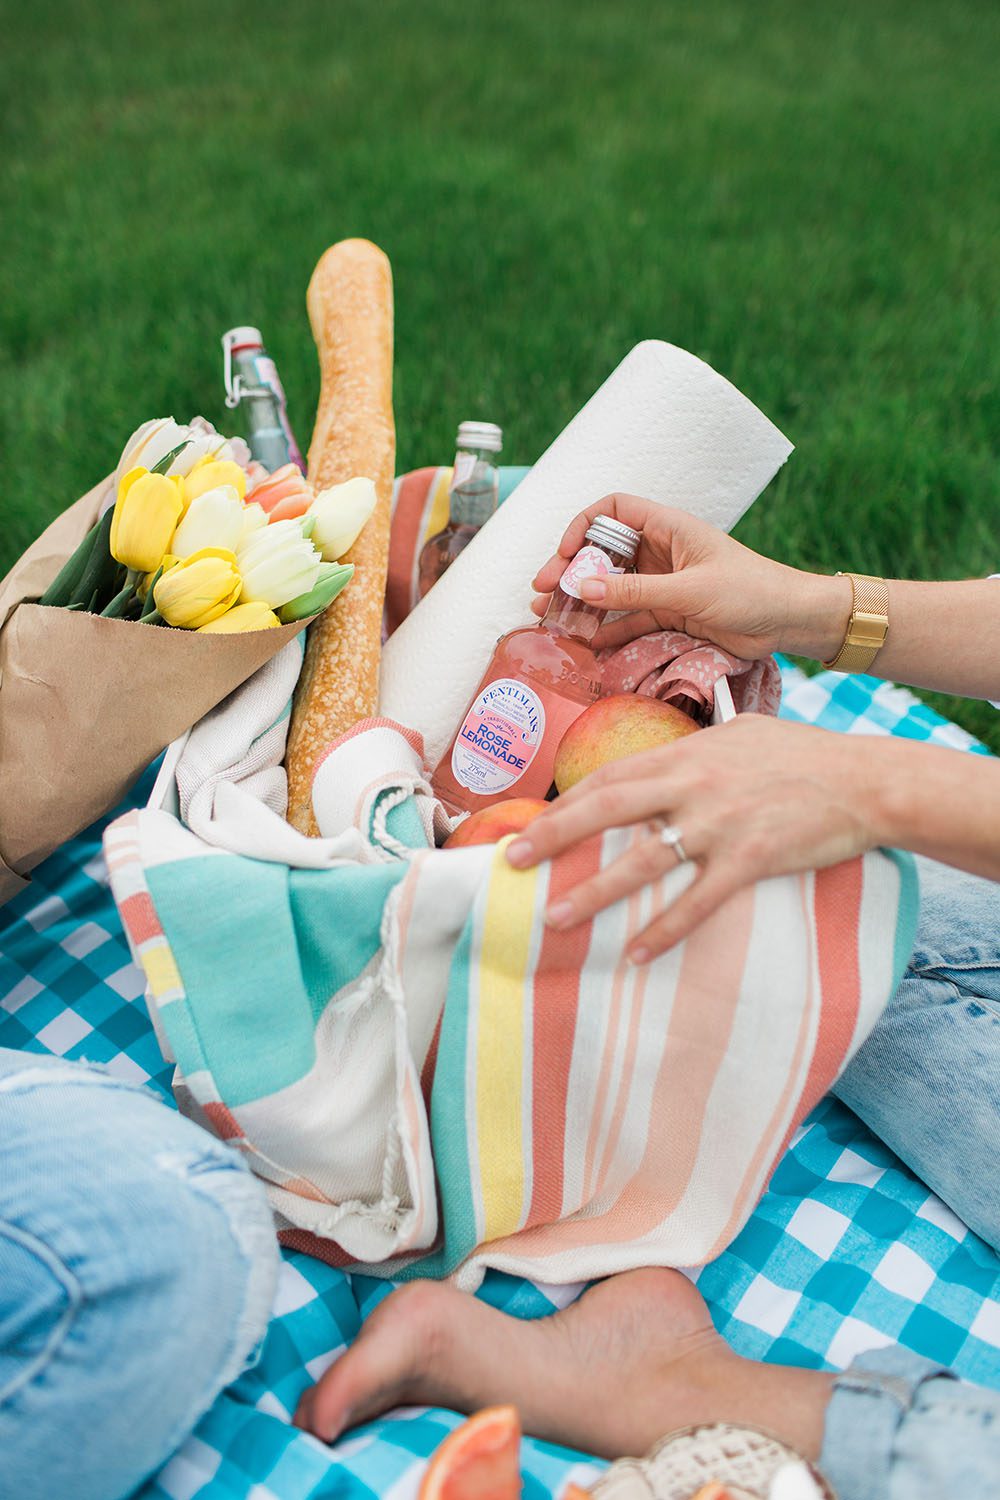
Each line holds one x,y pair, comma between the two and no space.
200,538
188,532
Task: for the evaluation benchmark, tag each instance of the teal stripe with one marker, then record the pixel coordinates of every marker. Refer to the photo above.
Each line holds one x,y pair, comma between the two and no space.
403,823
261,951
229,922
908,911
337,920
182,1034
449,1123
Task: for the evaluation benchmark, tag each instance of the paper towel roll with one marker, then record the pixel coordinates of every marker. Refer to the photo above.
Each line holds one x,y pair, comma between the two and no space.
665,425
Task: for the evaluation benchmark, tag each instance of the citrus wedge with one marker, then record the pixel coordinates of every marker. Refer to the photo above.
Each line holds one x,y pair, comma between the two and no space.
479,1460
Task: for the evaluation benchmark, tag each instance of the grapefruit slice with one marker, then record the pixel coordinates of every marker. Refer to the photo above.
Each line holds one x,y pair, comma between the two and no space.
479,1460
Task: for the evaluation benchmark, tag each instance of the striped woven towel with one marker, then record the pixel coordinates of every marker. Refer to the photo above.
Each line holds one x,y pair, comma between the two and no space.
428,1079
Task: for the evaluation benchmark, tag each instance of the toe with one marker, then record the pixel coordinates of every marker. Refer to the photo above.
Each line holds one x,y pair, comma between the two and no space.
384,1366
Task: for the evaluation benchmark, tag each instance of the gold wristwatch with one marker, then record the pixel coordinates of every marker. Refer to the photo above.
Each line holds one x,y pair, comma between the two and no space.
867,627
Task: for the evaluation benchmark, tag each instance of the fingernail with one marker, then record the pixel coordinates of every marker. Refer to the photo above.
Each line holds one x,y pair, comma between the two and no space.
520,852
638,955
594,589
559,914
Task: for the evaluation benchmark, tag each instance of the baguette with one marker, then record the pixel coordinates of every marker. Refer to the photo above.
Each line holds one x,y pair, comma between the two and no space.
350,310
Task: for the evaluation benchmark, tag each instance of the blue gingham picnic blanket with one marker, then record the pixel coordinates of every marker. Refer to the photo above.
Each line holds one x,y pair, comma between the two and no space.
847,1250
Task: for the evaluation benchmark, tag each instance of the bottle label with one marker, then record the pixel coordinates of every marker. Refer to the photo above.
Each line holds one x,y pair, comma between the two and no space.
591,562
267,375
465,463
499,737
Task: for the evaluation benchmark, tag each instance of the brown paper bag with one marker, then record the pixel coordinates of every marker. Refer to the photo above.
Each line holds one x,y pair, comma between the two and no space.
87,703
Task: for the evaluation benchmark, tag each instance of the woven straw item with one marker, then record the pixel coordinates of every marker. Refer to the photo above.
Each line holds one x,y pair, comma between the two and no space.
682,1463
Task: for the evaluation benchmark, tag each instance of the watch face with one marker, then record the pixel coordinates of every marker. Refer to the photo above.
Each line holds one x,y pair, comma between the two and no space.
717,1460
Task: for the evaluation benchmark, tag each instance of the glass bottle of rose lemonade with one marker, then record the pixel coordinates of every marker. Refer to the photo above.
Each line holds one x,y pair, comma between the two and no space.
540,678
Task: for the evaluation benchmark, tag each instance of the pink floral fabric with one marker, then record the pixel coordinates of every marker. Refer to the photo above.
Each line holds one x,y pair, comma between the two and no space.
675,667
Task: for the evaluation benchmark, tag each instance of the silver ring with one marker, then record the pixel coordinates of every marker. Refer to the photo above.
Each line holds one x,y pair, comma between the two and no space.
671,836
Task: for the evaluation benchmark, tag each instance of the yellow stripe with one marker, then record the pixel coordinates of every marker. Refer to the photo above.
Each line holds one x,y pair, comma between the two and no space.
160,969
437,513
503,973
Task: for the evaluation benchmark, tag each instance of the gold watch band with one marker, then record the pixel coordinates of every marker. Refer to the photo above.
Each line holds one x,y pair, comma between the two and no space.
868,625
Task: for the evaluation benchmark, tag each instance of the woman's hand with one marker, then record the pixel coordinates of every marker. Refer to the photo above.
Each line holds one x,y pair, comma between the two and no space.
693,577
753,798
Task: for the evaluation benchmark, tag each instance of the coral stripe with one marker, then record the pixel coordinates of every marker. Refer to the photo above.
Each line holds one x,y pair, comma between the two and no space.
223,1122
404,541
708,992
311,1244
628,1073
837,912
554,1017
751,1183
603,1085
413,737
139,918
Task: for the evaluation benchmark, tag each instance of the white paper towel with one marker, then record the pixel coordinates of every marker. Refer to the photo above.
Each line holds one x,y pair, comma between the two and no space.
664,425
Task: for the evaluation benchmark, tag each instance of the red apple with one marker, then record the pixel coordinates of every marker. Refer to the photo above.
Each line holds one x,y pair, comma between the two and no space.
615,727
493,823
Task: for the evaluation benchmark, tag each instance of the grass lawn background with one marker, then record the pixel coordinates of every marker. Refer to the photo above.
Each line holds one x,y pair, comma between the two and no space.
804,194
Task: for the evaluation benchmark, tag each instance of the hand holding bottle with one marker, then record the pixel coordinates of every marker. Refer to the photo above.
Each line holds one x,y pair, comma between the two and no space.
693,577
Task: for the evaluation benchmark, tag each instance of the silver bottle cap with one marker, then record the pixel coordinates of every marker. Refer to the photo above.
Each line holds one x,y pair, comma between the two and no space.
608,532
480,435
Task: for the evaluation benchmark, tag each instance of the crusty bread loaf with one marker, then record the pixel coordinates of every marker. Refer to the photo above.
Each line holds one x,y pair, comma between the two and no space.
350,309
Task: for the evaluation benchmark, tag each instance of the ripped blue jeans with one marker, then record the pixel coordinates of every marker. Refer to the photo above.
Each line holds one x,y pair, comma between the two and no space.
927,1080
137,1269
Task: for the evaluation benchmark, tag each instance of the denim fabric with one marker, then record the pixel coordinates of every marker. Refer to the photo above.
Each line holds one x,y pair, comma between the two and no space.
900,1428
927,1080
137,1270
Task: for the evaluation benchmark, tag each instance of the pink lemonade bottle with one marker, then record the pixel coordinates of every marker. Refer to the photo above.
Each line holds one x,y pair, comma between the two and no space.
540,678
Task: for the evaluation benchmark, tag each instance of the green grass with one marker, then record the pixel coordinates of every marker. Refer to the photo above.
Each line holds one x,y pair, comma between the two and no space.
801,191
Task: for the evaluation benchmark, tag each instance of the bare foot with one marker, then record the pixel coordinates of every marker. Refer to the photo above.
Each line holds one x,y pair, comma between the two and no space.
636,1356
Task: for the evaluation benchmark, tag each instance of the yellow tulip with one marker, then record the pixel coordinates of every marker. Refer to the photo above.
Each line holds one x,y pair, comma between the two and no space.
242,617
147,510
198,589
209,473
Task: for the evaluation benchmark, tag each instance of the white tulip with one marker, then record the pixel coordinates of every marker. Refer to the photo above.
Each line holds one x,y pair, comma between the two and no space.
277,564
214,519
153,440
339,515
254,517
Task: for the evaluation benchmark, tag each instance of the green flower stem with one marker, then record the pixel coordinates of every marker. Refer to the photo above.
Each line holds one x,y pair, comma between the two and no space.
150,606
101,568
63,586
153,618
121,601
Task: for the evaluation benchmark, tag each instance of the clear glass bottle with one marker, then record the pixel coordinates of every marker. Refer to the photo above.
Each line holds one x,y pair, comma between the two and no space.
540,678
251,377
475,489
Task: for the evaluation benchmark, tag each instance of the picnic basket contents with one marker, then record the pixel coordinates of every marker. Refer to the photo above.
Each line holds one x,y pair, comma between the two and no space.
428,1078
383,1002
